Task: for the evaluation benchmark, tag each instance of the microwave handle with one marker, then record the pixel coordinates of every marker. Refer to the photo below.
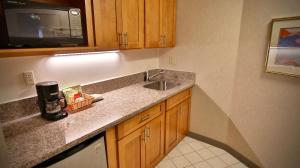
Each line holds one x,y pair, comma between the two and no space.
75,22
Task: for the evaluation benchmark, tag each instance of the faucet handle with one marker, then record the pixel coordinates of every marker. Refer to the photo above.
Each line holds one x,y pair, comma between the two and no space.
146,76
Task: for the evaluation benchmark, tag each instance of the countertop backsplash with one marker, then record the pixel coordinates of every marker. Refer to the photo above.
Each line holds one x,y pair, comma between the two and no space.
22,109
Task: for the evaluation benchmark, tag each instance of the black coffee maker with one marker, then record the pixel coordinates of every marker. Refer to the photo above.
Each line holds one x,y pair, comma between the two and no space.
49,101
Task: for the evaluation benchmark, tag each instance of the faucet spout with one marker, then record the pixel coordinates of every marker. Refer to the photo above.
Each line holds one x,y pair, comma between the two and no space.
148,77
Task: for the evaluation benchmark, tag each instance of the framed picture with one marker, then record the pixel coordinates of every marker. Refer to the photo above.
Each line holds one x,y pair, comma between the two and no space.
284,50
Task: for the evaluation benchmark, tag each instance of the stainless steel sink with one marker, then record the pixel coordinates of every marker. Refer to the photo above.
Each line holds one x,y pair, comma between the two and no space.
161,85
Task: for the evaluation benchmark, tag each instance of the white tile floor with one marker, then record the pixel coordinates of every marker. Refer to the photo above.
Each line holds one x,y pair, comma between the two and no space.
191,153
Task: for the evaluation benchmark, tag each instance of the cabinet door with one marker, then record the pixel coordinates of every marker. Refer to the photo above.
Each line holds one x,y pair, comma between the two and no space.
172,126
168,22
130,23
155,141
105,21
184,118
160,23
152,24
132,150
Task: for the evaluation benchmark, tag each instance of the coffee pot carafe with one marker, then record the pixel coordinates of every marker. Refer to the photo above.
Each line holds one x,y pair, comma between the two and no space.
49,101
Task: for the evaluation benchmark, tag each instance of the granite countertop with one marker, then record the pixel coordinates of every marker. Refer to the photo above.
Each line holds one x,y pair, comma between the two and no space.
35,140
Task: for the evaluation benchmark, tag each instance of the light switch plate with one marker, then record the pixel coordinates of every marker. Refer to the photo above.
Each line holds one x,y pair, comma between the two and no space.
29,77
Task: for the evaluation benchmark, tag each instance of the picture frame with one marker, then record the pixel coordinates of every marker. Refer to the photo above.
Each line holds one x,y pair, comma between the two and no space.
283,56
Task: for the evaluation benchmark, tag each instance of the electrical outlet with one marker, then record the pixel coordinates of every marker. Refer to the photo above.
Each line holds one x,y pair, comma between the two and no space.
172,60
29,78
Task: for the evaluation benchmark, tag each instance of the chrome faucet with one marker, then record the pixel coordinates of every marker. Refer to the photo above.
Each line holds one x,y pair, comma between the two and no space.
148,77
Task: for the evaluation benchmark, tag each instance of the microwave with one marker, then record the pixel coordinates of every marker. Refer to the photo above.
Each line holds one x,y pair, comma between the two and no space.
38,25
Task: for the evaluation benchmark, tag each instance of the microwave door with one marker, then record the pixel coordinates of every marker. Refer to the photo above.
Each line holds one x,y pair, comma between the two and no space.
37,24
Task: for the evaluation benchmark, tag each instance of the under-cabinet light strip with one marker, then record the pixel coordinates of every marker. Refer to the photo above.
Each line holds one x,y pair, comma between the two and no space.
87,53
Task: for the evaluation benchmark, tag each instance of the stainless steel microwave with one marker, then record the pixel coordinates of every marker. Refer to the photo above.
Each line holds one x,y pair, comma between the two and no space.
34,25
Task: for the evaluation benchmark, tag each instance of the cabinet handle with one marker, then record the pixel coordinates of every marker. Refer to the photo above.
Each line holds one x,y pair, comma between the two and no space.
144,118
120,39
180,111
147,130
161,41
143,137
126,40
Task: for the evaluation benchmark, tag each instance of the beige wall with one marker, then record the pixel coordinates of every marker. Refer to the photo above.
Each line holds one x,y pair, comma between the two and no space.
206,29
70,70
207,118
207,43
235,101
266,107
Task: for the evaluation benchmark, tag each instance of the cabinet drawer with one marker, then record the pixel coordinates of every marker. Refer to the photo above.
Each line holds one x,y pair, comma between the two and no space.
139,120
173,101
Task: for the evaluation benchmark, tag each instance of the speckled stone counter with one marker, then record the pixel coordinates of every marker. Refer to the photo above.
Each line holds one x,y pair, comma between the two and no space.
34,140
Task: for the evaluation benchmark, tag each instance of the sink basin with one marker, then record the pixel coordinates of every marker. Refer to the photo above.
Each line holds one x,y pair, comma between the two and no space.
160,85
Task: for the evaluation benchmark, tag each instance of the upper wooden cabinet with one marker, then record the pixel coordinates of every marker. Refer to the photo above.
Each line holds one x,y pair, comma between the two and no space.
160,18
105,21
130,23
119,24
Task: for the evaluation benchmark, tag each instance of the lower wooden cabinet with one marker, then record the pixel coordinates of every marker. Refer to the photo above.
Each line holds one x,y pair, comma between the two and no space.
143,148
172,126
132,150
143,140
177,124
184,118
155,133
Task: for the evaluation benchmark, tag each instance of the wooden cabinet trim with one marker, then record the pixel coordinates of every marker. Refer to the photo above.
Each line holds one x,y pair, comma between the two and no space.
174,24
89,22
42,51
111,148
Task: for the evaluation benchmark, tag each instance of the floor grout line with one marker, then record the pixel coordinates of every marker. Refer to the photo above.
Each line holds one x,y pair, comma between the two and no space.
189,143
